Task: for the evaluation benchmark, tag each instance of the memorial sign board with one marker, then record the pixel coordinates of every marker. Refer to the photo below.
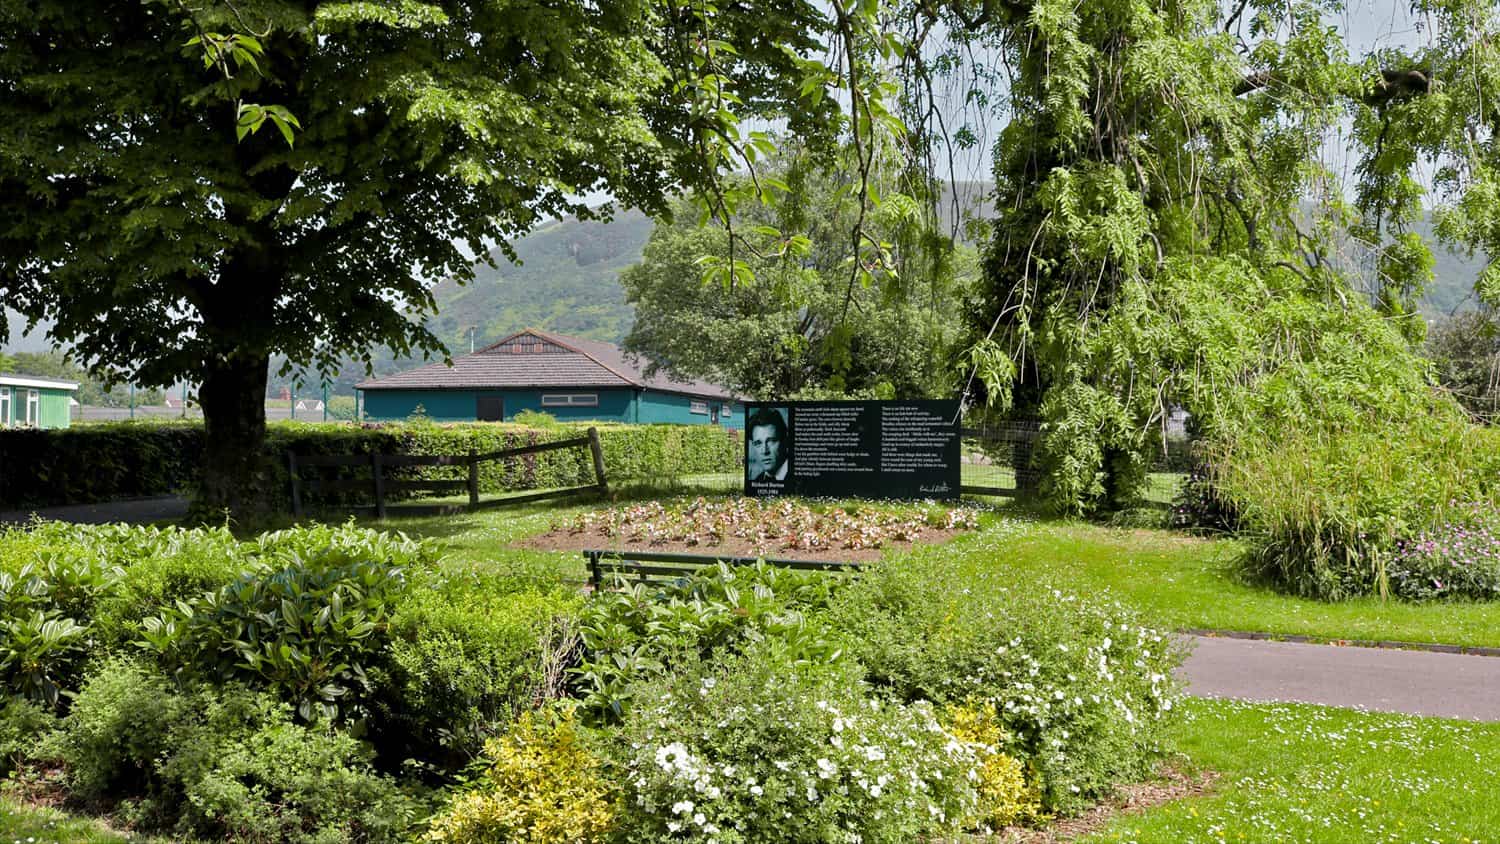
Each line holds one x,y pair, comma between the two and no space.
853,449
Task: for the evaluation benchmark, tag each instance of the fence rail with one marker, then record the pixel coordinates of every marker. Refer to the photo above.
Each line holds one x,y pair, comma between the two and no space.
381,488
660,567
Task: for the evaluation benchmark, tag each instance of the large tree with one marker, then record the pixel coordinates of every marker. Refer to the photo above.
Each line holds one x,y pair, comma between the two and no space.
795,327
169,242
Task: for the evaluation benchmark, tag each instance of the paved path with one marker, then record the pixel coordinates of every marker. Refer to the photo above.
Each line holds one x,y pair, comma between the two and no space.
1416,682
138,511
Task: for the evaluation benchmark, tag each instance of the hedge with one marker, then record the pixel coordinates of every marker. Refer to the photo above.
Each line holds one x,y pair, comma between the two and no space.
104,462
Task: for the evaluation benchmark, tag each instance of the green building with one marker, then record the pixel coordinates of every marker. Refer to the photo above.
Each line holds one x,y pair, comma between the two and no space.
30,401
571,378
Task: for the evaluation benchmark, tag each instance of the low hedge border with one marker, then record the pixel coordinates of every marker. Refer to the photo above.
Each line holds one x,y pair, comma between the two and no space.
117,460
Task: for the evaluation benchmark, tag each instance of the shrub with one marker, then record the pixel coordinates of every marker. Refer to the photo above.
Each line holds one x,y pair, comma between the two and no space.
643,631
116,729
22,725
1324,508
1080,689
762,747
221,762
467,651
539,783
1004,798
308,629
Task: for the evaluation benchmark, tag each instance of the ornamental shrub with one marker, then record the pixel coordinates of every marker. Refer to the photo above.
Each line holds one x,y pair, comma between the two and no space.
466,652
641,631
538,783
1004,797
223,763
308,628
1081,689
762,747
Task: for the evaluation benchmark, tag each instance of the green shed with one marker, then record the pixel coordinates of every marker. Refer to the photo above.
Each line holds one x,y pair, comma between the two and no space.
30,401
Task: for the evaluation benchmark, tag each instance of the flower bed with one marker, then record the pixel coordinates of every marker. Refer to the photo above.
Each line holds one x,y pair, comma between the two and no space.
338,684
755,527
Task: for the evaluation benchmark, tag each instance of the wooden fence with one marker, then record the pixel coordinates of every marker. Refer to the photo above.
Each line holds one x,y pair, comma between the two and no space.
381,487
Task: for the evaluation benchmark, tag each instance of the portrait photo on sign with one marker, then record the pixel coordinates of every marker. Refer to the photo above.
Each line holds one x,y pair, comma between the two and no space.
768,445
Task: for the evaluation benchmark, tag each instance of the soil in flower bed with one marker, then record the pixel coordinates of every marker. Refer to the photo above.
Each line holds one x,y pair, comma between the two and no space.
749,527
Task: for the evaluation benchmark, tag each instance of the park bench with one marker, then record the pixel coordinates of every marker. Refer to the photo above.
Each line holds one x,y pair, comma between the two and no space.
663,567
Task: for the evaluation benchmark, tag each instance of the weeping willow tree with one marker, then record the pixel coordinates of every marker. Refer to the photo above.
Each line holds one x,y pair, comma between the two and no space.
1163,160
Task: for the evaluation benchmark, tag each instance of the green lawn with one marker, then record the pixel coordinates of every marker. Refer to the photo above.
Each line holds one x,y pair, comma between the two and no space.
33,825
1176,580
1300,773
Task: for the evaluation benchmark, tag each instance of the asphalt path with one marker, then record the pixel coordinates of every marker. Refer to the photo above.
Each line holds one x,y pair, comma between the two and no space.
1378,679
136,511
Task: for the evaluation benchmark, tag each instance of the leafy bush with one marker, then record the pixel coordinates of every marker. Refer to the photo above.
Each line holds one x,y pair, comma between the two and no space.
1005,798
1460,559
467,651
539,783
306,629
225,763
642,631
98,462
763,747
1081,690
22,725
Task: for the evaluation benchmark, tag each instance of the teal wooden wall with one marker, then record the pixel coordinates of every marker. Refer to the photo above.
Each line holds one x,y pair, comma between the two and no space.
53,410
614,406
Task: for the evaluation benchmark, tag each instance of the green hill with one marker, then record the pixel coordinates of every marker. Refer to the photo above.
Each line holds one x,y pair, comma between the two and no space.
566,280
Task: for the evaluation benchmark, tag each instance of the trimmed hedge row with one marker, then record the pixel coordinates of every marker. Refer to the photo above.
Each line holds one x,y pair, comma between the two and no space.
135,459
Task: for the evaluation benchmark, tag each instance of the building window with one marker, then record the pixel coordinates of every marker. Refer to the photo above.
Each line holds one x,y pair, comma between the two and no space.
4,407
570,400
33,408
699,407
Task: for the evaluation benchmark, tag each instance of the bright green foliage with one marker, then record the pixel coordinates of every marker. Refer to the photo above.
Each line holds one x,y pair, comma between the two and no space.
309,630
222,763
640,632
798,324
467,651
764,747
540,784
1082,691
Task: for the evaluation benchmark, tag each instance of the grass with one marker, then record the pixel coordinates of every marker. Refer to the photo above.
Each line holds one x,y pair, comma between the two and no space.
1301,773
1175,580
37,824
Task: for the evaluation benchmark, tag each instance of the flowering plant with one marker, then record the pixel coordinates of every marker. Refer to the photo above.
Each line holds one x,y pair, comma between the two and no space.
763,749
782,524
1459,559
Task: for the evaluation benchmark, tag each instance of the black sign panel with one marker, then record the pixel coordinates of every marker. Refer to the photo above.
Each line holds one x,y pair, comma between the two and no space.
853,449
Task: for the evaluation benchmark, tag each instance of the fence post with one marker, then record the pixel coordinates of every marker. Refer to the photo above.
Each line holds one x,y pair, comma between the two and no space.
595,577
291,465
473,478
598,453
379,480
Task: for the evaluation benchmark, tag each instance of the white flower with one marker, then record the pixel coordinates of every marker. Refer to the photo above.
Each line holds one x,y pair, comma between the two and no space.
699,819
826,768
673,826
757,790
812,794
682,807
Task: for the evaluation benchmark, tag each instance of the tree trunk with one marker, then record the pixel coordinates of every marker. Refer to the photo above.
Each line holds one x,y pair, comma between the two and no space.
236,479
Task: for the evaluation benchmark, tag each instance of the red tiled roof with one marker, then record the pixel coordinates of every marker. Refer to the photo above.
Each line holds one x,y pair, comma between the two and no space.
579,363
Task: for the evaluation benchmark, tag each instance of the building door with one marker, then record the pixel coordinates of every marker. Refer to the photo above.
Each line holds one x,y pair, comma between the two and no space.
490,408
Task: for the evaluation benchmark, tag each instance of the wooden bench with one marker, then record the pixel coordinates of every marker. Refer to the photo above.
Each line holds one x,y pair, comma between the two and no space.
662,567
